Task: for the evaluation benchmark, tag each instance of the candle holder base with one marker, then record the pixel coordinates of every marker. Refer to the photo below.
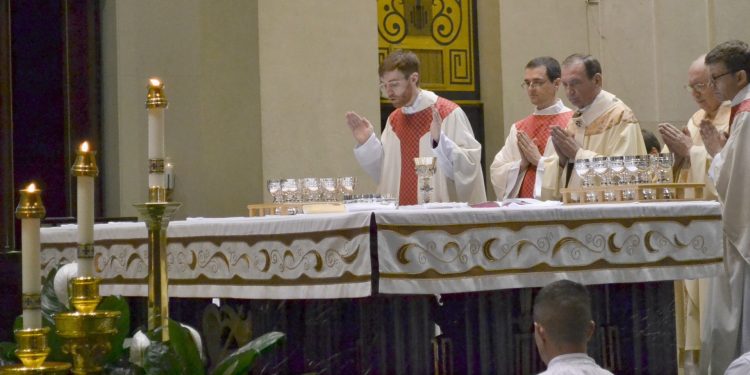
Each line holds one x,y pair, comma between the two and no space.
86,337
55,368
86,333
32,351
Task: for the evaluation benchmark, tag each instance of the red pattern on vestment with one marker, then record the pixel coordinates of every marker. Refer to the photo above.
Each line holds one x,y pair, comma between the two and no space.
538,128
409,129
744,106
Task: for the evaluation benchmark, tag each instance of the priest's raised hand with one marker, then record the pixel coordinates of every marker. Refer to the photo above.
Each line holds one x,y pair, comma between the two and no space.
361,128
435,125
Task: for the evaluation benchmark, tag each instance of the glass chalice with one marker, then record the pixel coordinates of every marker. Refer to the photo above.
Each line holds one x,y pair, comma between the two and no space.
274,188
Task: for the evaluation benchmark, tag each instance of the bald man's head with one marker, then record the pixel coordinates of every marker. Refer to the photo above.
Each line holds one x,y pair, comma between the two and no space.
698,79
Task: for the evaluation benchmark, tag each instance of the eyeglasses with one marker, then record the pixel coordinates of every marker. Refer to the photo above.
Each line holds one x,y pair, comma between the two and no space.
391,85
532,84
715,78
697,87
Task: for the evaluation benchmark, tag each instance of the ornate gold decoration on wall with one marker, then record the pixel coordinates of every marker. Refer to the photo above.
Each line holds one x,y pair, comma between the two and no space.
440,32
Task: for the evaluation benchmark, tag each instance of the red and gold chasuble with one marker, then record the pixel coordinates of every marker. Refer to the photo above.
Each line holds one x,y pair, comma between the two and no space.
409,129
538,128
744,106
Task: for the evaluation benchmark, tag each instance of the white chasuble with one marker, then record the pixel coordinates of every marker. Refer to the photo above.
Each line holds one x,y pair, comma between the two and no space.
607,127
506,173
727,331
459,175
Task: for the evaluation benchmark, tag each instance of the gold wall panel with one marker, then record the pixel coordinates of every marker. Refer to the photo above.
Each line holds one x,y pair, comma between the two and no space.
440,32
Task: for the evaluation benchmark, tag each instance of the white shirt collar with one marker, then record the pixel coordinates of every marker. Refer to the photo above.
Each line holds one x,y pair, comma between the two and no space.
741,96
557,107
424,99
569,357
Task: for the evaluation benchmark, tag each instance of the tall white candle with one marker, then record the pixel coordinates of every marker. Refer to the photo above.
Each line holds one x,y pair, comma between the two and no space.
85,213
31,280
155,105
156,143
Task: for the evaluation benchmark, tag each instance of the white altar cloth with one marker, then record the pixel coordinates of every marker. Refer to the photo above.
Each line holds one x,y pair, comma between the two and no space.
462,250
302,256
420,250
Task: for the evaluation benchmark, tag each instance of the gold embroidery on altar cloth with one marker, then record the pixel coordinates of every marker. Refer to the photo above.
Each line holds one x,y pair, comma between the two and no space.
601,264
407,229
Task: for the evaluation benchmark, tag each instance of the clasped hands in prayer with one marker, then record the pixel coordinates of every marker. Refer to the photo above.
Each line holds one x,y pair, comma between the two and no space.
362,128
713,139
680,141
529,152
565,144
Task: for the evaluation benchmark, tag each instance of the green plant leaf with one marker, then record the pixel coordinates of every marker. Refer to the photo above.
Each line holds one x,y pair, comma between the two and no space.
117,303
161,359
185,347
122,366
182,349
8,353
243,359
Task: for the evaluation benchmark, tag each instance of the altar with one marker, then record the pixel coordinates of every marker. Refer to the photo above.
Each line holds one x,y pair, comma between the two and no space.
436,289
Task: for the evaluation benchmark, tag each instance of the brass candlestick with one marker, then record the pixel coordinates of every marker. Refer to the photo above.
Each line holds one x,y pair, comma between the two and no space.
32,342
425,168
157,216
32,351
86,333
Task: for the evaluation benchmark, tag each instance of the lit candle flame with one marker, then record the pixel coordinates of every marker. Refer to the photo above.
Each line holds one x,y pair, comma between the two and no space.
85,146
31,188
155,82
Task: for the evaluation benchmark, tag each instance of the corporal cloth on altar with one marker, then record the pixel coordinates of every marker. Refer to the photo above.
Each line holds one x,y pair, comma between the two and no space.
307,256
462,250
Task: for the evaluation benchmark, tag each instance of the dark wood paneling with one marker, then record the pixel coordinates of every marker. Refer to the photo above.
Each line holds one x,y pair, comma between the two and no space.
6,132
38,114
50,100
482,333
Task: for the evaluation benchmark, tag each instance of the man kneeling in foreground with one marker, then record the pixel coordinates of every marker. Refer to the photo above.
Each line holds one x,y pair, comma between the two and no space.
563,327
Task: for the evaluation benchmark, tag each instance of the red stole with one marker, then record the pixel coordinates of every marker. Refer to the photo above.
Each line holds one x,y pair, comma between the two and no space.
537,127
409,129
744,106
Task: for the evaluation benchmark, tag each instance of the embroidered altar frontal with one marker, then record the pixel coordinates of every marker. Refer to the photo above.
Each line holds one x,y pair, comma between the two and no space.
463,250
419,251
299,257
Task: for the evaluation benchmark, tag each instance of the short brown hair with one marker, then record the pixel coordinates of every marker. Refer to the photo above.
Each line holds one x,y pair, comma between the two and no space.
549,63
735,54
405,62
563,308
